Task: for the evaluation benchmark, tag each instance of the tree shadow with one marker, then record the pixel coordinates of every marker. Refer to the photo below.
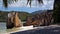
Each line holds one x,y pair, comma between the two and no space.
49,30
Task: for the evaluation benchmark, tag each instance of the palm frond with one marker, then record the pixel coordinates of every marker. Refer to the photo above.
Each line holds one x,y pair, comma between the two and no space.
29,2
40,1
5,2
15,0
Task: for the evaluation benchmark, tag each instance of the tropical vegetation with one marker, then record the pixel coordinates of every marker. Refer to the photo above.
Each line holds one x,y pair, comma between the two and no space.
22,16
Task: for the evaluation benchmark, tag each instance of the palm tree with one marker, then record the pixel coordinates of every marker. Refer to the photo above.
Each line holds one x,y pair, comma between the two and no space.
56,13
5,2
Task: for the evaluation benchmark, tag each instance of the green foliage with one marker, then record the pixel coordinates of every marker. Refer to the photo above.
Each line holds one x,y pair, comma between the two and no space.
3,16
56,13
22,15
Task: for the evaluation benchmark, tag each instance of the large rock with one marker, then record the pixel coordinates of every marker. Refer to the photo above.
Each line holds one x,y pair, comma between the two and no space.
14,21
9,24
43,19
17,22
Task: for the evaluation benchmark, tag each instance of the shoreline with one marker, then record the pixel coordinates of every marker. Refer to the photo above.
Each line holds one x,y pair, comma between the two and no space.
23,28
31,28
6,21
3,21
41,30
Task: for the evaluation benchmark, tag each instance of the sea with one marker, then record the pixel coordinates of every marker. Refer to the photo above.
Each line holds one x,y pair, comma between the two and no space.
4,30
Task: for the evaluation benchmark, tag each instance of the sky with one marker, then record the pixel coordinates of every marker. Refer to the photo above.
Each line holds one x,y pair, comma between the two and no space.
20,5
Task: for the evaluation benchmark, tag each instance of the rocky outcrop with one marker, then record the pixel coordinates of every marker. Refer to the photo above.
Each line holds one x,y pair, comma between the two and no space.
17,22
44,18
9,24
14,21
29,20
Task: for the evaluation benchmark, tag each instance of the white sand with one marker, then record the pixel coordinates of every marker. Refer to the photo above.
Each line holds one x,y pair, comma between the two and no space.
21,29
31,27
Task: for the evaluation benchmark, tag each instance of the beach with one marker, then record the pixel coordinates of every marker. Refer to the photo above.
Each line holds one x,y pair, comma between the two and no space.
53,29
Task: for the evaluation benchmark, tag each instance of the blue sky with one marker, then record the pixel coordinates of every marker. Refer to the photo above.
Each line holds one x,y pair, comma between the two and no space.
21,6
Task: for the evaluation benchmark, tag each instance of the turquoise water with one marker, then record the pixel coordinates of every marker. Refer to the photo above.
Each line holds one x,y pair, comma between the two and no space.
4,30
2,27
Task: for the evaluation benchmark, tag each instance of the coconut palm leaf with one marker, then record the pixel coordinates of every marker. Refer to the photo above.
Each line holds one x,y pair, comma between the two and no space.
40,1
5,2
30,1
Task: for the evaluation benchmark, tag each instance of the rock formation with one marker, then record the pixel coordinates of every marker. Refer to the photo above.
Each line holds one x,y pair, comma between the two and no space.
43,19
29,20
13,21
10,23
17,22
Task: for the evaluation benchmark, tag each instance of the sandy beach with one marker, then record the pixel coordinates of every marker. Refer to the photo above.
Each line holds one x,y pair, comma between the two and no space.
53,29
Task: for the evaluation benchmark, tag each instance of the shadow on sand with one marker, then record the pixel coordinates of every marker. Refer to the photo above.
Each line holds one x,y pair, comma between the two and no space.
48,30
